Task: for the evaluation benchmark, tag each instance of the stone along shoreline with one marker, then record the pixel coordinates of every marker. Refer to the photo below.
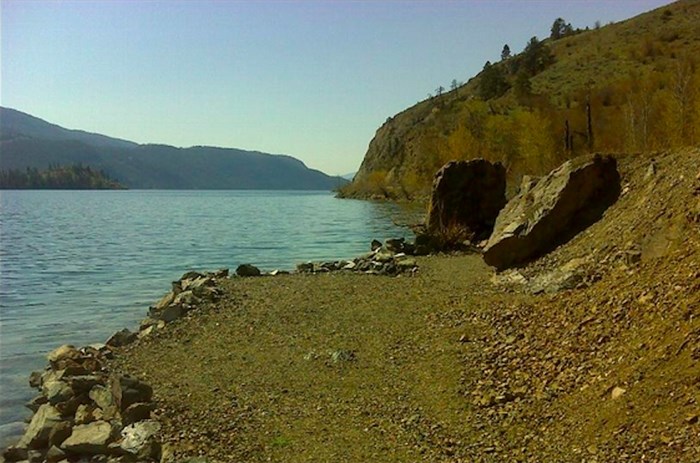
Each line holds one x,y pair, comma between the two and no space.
87,410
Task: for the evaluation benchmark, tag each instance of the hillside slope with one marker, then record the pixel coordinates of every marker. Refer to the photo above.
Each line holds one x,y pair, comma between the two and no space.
636,81
27,141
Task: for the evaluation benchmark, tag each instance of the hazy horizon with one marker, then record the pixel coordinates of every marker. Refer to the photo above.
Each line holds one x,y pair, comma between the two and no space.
313,80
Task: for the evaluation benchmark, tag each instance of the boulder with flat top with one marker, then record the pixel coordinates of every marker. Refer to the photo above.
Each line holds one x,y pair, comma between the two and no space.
552,211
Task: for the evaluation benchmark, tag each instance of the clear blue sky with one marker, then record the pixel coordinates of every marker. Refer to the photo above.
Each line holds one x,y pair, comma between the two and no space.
313,79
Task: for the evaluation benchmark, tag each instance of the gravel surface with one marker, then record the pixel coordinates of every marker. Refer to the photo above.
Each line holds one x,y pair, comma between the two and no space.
445,366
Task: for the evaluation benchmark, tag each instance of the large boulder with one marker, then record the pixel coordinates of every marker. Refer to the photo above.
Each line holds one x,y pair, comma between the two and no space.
467,196
43,421
552,211
92,438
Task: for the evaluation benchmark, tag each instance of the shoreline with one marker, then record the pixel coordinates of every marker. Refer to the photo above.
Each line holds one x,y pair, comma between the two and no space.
69,366
452,362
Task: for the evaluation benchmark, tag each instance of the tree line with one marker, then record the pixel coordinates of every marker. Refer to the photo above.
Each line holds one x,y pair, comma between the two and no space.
75,177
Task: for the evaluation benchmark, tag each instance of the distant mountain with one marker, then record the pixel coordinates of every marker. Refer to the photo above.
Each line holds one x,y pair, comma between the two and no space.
27,141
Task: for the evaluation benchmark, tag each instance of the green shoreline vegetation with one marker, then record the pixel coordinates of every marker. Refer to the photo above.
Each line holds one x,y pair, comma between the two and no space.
74,177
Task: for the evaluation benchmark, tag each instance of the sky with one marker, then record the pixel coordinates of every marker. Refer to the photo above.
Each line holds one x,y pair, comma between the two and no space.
312,79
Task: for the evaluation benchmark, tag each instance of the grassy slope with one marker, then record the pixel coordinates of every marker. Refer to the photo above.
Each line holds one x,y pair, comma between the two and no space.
614,66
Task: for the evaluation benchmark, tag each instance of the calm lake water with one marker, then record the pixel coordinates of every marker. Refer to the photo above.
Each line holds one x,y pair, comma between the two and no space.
75,266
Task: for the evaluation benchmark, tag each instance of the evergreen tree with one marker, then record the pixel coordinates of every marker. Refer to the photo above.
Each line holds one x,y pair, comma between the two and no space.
493,82
560,28
505,53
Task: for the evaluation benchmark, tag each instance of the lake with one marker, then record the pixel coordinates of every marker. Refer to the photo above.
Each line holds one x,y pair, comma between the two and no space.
75,266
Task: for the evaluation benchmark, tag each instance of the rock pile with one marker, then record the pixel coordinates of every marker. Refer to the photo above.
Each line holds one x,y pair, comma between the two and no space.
190,291
391,258
85,413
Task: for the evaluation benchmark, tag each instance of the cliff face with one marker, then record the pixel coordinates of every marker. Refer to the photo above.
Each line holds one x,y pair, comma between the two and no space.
626,87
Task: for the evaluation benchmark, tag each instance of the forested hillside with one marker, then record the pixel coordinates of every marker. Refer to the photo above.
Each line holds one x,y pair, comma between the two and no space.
27,142
627,87
75,177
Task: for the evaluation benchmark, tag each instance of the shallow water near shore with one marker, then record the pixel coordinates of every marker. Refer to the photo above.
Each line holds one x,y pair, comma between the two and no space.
76,266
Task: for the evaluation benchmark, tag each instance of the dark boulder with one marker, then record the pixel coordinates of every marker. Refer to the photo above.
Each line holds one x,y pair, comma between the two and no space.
466,199
121,338
552,211
247,270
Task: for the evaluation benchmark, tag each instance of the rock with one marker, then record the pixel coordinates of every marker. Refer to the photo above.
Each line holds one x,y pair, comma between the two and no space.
56,391
139,440
617,392
305,267
84,414
92,438
137,412
65,352
36,402
375,244
406,263
349,266
560,205
342,356
121,338
395,245
84,383
221,273
568,276
35,379
165,301
247,270
466,197
128,391
55,455
13,453
102,397
37,434
60,433
35,456
186,297
172,313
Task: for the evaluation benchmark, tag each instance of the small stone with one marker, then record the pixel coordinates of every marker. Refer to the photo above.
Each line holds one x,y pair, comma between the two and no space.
128,391
305,267
172,313
55,455
692,418
35,456
617,392
137,412
375,244
247,270
121,338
